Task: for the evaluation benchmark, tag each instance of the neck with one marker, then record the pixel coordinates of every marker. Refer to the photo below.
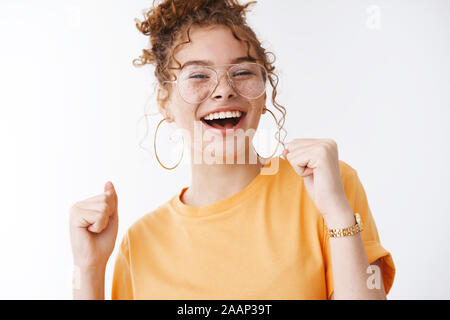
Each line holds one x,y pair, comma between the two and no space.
215,182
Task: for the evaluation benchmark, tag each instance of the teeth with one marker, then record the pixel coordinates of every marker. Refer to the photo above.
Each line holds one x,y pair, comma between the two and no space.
223,115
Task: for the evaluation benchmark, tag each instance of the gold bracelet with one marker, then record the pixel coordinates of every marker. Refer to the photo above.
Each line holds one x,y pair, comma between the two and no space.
358,227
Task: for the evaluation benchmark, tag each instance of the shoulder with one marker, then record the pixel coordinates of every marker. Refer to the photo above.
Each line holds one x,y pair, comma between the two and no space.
152,217
147,231
350,179
346,170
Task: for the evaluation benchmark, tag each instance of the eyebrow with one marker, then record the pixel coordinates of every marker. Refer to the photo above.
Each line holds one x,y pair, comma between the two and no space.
209,62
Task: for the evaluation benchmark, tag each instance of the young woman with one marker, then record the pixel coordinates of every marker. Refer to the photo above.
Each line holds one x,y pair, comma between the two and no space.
259,229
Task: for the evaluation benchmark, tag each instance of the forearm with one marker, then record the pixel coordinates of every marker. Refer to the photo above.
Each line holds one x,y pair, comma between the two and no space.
349,261
89,283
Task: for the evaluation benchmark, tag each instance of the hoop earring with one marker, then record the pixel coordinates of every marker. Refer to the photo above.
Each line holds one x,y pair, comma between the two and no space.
278,132
156,153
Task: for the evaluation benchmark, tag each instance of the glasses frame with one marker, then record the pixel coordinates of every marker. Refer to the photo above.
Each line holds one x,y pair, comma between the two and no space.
217,80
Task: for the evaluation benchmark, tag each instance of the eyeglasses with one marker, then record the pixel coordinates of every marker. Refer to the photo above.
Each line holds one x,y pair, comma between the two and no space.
196,83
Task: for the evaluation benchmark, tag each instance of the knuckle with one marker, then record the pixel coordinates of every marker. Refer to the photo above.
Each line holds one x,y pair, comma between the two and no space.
331,143
291,143
323,150
99,215
74,209
95,228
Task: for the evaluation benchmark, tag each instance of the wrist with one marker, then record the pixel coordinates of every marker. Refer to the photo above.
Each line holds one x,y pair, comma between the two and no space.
90,266
88,282
341,218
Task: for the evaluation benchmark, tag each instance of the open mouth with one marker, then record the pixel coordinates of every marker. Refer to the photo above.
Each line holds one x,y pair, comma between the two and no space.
226,123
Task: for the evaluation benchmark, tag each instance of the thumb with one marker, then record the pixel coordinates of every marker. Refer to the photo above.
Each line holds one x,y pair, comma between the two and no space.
110,187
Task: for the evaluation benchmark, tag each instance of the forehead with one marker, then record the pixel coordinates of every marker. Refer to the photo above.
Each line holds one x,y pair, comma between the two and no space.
216,44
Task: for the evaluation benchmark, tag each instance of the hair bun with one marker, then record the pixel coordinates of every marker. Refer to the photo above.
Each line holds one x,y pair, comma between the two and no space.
169,14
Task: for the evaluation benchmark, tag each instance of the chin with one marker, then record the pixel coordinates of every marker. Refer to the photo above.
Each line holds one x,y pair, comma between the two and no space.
234,155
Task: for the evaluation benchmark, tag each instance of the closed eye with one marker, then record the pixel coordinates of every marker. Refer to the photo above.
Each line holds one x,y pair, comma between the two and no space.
243,73
198,76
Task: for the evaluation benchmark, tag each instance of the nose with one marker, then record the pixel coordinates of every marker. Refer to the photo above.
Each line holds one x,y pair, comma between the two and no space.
223,88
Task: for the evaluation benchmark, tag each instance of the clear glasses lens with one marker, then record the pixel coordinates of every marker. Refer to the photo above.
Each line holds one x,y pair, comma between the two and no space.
248,79
196,83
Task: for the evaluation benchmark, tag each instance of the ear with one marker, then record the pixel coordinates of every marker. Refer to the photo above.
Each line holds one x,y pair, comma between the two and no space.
162,99
264,108
162,94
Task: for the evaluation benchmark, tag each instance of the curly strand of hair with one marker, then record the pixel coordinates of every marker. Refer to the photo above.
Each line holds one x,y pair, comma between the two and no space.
172,56
279,107
274,83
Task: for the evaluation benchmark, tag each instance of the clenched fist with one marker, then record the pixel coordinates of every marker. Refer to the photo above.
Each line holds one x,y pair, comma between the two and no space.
93,228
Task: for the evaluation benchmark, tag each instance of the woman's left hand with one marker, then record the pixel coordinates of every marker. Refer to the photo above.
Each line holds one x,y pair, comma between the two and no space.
316,160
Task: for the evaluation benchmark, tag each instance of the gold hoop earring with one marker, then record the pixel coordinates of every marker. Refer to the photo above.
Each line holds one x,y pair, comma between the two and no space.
278,132
156,153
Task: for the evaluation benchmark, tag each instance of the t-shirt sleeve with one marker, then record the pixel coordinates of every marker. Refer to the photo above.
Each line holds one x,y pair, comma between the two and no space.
122,285
357,198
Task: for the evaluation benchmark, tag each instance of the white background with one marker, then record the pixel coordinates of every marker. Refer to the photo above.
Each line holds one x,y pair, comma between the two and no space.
72,106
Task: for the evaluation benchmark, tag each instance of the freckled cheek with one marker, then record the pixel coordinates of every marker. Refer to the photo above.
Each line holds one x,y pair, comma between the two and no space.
184,114
254,117
187,122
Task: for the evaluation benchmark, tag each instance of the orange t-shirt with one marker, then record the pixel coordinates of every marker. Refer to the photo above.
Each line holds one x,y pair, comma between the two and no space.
267,241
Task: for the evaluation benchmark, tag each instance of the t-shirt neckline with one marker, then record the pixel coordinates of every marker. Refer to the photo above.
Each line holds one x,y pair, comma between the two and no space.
222,205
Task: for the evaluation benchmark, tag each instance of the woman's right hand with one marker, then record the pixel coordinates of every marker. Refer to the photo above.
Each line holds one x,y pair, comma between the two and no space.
93,228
